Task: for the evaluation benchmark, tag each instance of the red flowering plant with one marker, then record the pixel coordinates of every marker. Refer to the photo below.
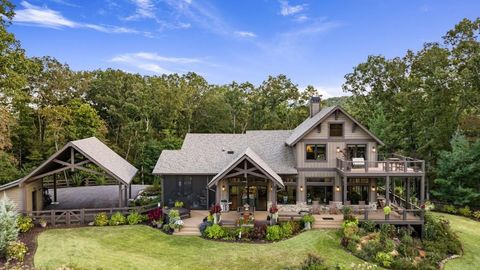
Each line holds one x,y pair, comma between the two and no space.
215,209
273,209
155,214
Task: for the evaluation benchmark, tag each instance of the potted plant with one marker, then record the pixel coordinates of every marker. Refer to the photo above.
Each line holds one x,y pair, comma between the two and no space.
178,225
178,204
42,222
215,211
387,210
308,220
273,214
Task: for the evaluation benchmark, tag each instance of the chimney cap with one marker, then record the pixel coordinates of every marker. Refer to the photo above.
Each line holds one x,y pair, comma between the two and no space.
315,99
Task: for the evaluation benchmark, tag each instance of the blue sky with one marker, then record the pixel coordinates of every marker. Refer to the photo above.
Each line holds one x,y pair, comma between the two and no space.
312,42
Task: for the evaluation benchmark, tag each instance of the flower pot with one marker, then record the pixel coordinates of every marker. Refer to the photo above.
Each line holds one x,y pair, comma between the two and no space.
176,229
308,225
43,225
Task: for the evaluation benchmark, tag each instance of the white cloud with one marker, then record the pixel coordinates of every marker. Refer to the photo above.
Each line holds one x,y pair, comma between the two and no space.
45,17
301,18
328,91
245,34
287,10
153,62
144,9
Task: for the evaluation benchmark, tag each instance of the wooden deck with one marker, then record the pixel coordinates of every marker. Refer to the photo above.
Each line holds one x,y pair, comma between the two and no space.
382,168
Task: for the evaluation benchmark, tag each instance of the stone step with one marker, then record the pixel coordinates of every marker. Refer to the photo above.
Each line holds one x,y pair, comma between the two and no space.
188,233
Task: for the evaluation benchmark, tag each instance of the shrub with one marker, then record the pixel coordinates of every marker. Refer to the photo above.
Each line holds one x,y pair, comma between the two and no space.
465,211
350,228
387,231
215,209
371,248
8,223
368,225
384,259
215,232
274,233
348,213
296,226
449,209
439,236
203,226
117,219
101,219
155,214
24,223
401,263
476,214
259,231
167,228
314,262
16,251
135,218
287,230
308,218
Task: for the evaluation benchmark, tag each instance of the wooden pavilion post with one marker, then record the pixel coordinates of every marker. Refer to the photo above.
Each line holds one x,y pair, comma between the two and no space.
119,195
55,201
125,187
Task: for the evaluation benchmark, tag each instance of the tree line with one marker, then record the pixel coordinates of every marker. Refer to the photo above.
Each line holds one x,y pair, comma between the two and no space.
416,104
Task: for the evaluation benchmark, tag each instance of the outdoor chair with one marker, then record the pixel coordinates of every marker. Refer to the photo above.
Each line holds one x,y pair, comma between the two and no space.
358,162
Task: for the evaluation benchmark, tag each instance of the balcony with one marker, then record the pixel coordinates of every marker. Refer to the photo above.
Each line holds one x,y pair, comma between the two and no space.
394,166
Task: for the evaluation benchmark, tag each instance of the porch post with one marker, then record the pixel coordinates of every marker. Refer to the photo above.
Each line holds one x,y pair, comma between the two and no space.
125,195
130,191
344,189
119,195
422,190
407,197
55,188
387,190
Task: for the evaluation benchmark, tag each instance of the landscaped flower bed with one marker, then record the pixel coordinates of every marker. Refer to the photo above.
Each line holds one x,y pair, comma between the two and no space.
399,248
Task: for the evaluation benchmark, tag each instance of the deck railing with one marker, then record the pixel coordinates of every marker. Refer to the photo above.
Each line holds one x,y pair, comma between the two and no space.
396,215
69,217
393,166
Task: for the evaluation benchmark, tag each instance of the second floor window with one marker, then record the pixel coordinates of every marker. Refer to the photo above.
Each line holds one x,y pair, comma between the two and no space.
336,130
316,152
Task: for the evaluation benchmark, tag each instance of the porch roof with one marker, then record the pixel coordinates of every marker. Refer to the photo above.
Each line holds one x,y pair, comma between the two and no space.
253,158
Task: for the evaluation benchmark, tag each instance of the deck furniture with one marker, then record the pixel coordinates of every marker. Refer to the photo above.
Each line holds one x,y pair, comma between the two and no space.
358,162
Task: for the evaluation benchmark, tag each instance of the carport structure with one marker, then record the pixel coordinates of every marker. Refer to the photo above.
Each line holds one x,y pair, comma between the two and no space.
77,155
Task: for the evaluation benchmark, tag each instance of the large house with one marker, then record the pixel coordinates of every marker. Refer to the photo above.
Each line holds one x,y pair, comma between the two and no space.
328,159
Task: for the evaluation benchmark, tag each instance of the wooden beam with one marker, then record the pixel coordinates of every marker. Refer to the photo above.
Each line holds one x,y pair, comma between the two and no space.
49,173
70,164
92,171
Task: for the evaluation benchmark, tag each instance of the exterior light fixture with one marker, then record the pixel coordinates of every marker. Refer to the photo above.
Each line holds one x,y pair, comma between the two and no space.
338,188
271,188
301,188
223,187
338,149
373,188
374,149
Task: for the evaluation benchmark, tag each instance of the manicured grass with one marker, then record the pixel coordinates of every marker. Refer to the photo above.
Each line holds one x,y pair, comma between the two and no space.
469,232
141,247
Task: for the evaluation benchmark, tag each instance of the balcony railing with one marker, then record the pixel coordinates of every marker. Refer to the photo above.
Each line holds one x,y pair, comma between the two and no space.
391,165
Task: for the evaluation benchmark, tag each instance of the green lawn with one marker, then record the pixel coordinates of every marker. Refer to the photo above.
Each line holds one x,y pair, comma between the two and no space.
469,233
141,247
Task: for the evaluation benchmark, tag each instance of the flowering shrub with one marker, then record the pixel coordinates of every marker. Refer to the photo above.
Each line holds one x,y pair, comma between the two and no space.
16,251
178,224
215,209
273,209
24,223
101,219
155,214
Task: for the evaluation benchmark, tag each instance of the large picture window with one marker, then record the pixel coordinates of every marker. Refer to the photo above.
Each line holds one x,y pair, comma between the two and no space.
316,151
322,194
287,195
336,130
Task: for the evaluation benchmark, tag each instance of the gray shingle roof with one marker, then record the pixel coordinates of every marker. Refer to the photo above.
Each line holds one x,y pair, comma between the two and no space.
207,154
257,161
98,153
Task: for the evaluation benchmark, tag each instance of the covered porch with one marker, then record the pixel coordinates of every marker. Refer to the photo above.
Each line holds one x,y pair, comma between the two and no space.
246,184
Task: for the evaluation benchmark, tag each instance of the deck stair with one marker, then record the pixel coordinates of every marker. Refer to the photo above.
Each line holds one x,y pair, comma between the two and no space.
189,230
328,222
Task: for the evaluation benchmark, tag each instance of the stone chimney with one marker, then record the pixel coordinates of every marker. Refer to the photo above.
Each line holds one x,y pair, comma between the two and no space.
314,105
